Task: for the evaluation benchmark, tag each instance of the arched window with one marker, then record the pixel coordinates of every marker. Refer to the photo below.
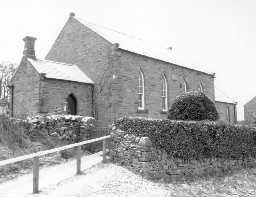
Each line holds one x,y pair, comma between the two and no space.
141,91
71,104
201,87
164,96
186,86
228,114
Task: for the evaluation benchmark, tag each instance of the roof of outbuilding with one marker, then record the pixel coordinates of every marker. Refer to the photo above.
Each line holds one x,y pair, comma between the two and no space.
220,96
61,71
139,46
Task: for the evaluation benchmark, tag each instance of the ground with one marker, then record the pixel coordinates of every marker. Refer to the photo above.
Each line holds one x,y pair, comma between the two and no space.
111,180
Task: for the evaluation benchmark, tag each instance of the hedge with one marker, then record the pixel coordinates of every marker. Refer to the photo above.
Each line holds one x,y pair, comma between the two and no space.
194,139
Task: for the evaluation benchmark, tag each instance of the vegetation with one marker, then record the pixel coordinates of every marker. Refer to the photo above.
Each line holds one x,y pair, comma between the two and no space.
193,106
190,140
7,70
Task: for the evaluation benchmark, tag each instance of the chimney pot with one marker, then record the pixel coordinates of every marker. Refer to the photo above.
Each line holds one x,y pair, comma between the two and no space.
29,47
72,14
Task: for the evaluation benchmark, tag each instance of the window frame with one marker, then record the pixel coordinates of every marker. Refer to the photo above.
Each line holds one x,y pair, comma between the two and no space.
201,87
164,93
186,86
141,91
228,114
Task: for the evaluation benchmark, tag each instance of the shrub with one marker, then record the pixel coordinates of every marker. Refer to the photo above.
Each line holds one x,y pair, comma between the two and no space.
194,139
193,106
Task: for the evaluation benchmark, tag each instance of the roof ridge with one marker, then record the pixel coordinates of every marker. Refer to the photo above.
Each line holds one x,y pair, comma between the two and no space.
110,29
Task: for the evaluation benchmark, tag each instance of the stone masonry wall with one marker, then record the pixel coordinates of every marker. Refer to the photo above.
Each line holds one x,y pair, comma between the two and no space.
54,93
129,67
139,155
250,112
222,109
26,90
77,44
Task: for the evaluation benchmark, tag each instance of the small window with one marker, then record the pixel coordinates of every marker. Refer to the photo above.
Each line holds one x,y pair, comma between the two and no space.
164,97
141,90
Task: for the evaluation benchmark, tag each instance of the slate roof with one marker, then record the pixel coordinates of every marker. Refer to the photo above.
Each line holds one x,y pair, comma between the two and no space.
61,71
139,46
221,97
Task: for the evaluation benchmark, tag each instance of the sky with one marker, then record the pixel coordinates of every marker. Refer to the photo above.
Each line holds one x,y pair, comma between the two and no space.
218,35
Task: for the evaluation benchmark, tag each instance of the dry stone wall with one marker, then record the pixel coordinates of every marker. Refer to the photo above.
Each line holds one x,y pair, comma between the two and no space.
139,155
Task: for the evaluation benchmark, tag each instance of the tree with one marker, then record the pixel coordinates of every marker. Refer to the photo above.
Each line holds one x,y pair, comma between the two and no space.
7,70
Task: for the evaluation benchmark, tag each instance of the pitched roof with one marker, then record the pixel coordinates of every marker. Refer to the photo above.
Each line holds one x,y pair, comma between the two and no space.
62,71
220,96
139,46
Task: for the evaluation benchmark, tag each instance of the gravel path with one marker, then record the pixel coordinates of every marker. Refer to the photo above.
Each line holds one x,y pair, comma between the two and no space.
110,180
49,177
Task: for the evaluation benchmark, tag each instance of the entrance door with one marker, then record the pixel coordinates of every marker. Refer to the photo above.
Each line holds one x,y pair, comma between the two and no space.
71,105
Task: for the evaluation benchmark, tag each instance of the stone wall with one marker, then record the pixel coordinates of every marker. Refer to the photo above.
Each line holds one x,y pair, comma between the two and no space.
139,155
53,95
25,90
224,115
127,75
250,112
77,44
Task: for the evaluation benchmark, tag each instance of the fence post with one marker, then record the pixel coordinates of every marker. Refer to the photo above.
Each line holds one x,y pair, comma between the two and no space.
104,151
78,160
35,175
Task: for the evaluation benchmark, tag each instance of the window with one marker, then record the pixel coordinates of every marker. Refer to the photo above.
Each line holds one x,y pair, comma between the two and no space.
228,114
164,98
201,87
186,86
141,90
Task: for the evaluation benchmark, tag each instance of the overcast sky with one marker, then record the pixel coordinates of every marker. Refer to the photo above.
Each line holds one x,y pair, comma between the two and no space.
219,35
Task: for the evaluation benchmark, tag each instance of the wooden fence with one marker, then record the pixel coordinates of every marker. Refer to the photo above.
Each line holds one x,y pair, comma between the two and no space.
35,157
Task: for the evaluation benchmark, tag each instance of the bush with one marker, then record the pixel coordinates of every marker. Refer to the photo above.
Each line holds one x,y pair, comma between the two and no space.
194,139
193,106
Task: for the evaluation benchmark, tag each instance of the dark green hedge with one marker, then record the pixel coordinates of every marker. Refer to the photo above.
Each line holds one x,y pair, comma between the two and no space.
193,106
194,139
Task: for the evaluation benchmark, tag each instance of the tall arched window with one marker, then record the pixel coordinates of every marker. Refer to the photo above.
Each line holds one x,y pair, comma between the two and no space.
71,104
228,114
141,91
186,86
164,96
201,87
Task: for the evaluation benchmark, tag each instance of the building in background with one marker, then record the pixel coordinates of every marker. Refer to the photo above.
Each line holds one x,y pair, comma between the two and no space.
96,71
227,111
250,112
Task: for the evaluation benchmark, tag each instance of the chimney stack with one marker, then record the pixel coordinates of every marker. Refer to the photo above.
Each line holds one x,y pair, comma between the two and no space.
29,47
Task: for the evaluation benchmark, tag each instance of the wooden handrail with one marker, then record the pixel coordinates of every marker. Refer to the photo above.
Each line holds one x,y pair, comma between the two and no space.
42,153
35,157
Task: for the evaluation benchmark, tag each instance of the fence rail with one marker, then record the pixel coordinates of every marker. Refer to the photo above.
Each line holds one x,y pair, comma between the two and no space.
35,157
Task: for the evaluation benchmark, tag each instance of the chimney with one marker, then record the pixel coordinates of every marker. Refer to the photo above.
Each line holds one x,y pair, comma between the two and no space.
29,47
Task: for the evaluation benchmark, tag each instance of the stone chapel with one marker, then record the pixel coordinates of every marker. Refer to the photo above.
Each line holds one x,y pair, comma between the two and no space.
95,71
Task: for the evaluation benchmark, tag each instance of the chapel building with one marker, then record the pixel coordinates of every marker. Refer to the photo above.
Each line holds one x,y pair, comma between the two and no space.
95,71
